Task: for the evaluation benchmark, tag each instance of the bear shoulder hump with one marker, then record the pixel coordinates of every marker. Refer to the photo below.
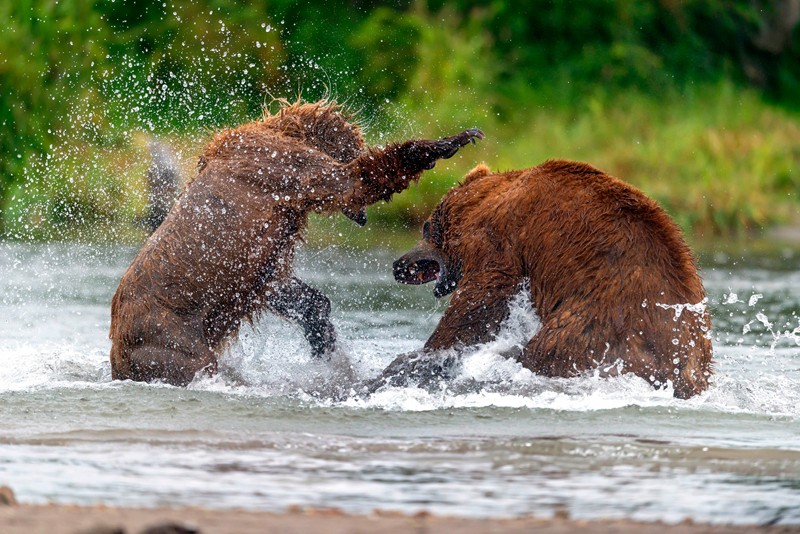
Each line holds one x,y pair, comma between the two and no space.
479,171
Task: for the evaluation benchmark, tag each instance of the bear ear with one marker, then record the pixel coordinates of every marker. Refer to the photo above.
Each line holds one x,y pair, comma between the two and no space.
478,172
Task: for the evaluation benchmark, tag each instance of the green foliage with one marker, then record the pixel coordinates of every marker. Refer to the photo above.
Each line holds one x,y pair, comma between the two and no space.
193,64
48,51
386,43
648,45
718,158
84,187
661,94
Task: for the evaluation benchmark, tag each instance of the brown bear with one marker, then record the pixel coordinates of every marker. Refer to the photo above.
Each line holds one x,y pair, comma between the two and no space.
609,274
225,249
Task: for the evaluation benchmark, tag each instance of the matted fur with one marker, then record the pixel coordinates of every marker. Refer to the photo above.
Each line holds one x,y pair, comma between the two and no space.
322,125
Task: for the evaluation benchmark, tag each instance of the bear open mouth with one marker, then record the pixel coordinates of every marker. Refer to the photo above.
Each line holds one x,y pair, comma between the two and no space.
419,272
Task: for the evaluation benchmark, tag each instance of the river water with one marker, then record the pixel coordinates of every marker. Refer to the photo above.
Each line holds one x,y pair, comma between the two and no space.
497,441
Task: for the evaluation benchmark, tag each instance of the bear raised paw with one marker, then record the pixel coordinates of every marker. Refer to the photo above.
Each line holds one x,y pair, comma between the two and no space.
609,273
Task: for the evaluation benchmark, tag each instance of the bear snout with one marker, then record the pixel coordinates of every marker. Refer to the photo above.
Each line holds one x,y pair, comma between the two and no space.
426,264
417,272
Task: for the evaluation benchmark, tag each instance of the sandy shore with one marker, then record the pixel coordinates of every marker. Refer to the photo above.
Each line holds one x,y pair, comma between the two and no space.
64,519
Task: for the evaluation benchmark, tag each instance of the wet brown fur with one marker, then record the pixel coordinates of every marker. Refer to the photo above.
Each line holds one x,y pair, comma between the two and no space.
225,250
599,258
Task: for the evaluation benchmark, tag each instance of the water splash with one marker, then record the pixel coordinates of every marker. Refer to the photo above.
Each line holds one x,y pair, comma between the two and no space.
55,338
698,308
490,376
789,331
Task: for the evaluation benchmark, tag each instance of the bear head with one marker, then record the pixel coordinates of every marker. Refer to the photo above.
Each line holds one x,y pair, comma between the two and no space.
439,256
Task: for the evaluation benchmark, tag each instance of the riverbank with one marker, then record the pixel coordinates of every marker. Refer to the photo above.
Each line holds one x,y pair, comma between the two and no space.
66,519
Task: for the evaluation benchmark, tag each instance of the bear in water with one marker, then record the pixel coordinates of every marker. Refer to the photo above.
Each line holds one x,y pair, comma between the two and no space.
225,249
609,274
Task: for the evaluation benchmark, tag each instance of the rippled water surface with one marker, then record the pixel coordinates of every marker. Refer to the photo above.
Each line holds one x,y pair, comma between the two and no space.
496,441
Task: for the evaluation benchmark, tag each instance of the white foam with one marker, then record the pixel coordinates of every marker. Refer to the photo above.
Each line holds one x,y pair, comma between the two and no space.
28,367
273,359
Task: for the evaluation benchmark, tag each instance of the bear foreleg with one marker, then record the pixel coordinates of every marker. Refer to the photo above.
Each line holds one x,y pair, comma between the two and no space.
382,172
309,308
475,313
474,316
422,155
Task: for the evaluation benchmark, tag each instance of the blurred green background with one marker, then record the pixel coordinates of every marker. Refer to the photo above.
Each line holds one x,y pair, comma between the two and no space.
695,102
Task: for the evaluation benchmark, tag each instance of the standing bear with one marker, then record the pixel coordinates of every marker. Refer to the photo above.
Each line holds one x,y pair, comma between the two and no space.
609,274
225,250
